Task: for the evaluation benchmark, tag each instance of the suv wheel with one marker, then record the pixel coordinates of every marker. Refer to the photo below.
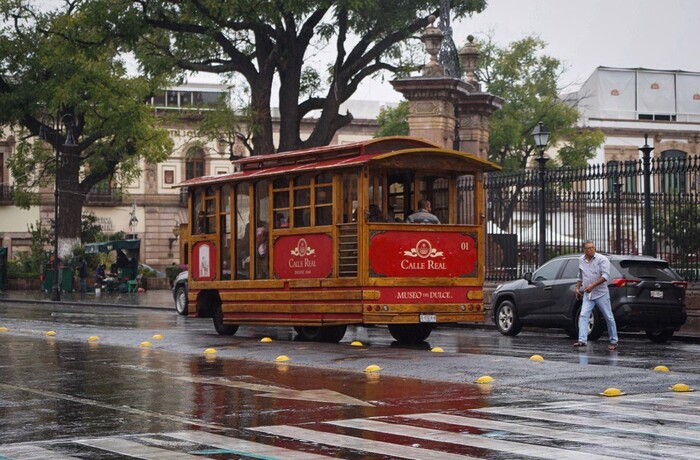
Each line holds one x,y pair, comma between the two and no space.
181,300
595,325
507,320
660,336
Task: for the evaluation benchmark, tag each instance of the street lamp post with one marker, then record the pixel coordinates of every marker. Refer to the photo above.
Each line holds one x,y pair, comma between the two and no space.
133,220
646,157
541,137
618,216
52,126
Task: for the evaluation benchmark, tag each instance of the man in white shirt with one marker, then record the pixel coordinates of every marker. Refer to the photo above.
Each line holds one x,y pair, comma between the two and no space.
592,287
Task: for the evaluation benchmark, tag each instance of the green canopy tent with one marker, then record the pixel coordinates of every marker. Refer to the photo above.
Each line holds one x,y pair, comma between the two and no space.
131,246
127,264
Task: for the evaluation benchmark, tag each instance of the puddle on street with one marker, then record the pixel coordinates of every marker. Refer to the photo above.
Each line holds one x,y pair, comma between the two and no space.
54,389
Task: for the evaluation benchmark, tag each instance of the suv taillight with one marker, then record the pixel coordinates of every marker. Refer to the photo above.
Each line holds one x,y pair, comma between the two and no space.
681,284
622,282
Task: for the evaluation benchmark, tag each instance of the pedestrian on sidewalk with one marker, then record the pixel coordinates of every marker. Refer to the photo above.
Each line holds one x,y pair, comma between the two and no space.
593,277
82,273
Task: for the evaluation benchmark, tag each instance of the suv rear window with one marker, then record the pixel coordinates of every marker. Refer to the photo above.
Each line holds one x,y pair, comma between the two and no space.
659,271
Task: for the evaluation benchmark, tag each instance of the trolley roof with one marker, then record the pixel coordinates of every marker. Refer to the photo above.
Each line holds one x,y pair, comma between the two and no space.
389,152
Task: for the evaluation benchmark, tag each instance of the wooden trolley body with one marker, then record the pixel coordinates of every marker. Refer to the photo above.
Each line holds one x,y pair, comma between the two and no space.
295,239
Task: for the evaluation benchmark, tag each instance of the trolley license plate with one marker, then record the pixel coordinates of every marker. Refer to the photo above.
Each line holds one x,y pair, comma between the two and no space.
657,294
428,318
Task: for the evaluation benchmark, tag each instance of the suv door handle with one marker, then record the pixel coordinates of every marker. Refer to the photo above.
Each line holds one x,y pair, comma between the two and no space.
548,288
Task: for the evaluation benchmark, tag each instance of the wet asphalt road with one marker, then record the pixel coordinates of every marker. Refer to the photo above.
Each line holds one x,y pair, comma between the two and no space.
69,396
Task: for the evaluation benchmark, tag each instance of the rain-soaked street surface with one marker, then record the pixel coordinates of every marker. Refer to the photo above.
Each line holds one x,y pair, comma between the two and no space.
64,396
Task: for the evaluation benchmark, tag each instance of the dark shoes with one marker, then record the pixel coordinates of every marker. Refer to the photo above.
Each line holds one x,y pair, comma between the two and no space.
612,347
579,344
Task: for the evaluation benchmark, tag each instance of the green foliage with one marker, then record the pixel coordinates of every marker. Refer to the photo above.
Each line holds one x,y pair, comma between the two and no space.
261,43
90,230
393,121
222,124
681,228
527,79
58,68
147,272
25,266
172,271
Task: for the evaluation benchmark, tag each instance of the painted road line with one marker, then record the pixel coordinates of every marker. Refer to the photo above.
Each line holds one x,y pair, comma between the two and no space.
317,395
640,447
637,428
242,447
361,444
134,449
471,440
31,452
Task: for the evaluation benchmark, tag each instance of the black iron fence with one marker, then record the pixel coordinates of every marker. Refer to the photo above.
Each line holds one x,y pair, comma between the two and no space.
602,203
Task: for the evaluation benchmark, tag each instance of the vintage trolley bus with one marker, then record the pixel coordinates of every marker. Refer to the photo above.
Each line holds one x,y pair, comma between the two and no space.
317,239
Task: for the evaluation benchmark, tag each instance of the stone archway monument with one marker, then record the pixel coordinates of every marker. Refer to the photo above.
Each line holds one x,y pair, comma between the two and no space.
447,110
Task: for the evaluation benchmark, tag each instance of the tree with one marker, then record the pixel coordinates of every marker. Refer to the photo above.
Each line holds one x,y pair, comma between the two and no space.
682,229
393,121
55,66
527,79
266,41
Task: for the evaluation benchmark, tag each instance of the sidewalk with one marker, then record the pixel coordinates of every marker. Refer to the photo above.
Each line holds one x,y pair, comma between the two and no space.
153,298
160,299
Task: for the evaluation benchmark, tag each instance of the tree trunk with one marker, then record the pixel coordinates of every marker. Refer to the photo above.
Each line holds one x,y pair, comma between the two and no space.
70,203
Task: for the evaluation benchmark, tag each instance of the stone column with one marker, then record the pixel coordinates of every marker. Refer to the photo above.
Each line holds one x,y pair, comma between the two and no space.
475,111
431,102
443,107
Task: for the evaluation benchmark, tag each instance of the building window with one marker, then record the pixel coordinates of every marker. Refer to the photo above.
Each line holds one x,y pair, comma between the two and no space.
630,176
673,168
194,164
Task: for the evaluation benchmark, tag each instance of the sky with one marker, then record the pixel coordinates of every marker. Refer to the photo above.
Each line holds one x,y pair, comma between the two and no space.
585,34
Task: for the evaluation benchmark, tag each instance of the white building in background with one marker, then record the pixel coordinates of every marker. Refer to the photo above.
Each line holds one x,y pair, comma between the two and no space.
626,104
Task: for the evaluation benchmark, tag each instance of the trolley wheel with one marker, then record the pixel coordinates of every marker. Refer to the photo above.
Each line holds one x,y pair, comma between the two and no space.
329,334
221,328
410,333
181,300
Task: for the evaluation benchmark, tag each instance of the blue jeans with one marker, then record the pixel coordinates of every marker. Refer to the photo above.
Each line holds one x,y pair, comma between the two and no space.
603,304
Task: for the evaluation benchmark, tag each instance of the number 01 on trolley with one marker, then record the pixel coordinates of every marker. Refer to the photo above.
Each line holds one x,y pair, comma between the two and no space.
324,238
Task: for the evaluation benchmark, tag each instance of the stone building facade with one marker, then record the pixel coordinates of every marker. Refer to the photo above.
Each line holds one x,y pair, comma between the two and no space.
152,208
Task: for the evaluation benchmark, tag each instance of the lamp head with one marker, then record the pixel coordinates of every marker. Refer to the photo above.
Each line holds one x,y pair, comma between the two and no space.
540,135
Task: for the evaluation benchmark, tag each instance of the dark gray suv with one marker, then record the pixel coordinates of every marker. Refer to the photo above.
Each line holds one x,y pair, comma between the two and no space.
646,295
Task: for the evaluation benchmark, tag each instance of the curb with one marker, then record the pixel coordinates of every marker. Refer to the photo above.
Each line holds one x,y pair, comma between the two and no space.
87,304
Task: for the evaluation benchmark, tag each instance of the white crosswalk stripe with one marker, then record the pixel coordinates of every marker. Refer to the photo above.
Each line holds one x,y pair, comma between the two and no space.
30,452
642,427
242,446
635,448
136,450
466,439
675,433
361,444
